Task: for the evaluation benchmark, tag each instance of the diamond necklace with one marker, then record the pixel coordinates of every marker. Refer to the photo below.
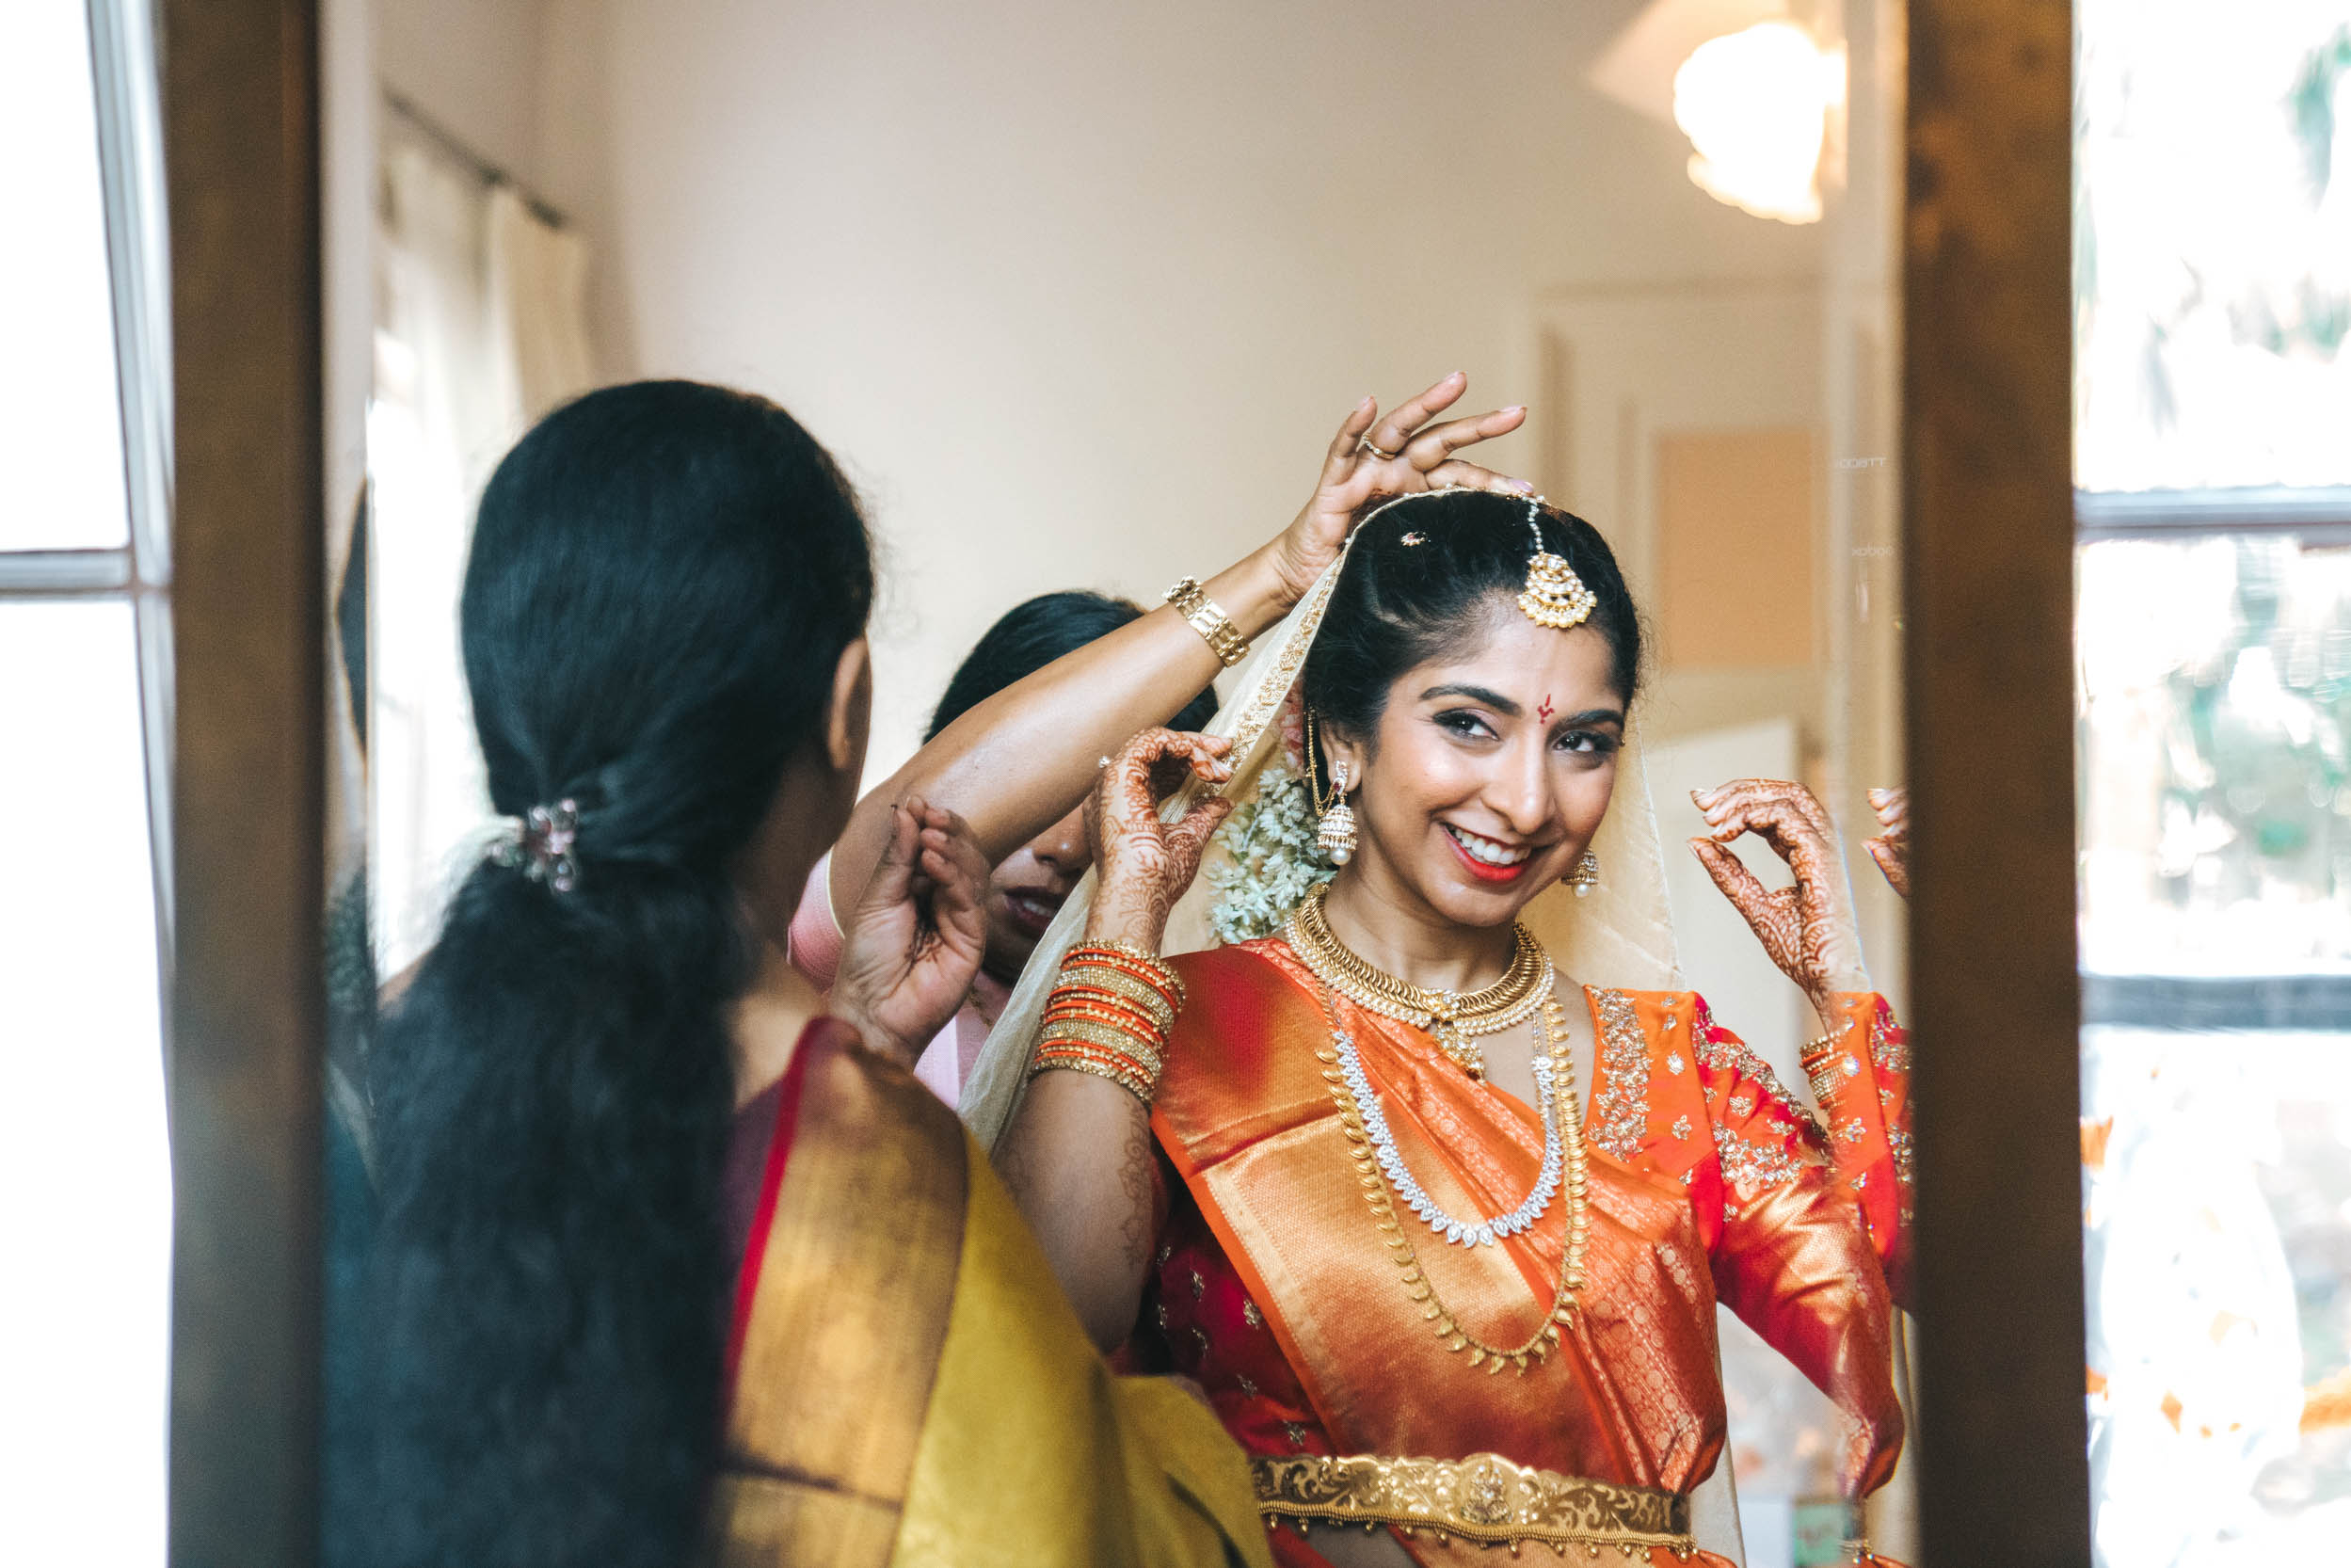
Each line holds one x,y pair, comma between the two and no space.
1463,1233
1455,1019
1418,1285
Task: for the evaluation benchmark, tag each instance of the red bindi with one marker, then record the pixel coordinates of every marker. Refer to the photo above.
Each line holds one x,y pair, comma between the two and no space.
1544,712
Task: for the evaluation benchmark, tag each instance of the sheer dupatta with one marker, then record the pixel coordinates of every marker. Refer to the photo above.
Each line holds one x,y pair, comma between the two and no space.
1620,935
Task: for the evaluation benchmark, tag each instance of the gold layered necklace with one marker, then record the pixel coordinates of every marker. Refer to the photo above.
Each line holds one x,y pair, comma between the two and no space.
1457,1019
1378,1167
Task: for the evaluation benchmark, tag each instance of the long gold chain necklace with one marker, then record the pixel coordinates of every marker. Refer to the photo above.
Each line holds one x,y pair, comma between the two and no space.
1457,1019
1374,1181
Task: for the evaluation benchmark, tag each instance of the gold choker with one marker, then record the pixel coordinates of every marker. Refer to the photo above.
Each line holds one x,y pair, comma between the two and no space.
1456,1020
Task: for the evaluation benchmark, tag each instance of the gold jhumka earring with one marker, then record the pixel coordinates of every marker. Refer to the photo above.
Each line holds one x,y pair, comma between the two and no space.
1334,830
1585,876
1554,596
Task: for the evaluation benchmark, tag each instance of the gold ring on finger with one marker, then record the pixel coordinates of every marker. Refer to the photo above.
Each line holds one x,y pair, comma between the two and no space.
1377,450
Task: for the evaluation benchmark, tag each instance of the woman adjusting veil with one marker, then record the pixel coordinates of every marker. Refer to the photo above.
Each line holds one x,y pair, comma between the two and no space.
1421,1166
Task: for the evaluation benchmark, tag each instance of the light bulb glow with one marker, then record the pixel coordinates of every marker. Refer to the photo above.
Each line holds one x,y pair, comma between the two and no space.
1754,105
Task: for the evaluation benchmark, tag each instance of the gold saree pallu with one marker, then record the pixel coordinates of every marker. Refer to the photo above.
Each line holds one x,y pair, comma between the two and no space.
1484,1498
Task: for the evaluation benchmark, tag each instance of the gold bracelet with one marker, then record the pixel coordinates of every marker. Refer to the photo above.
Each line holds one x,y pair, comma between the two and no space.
1115,1014
1095,952
1206,618
1109,1036
1107,981
1101,1070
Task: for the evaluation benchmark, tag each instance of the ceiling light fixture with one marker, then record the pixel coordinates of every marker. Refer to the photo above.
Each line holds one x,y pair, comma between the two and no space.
1755,107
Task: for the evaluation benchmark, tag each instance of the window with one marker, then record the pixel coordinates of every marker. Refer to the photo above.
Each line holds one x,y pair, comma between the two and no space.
85,690
2212,297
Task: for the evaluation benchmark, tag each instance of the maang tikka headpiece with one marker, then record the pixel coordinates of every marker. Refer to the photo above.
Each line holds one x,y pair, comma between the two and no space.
1553,594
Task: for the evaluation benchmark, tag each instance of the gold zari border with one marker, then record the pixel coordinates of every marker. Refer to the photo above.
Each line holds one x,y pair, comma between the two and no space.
1484,1497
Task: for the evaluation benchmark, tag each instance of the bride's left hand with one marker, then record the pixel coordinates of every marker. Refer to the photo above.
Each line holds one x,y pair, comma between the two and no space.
1810,929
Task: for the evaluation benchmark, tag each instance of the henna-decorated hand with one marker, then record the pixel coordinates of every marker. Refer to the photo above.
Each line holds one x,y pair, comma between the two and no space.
1890,849
1352,477
1145,864
911,943
1810,929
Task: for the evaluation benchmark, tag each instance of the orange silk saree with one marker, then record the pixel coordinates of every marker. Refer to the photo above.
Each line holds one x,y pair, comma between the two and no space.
906,1383
1277,1291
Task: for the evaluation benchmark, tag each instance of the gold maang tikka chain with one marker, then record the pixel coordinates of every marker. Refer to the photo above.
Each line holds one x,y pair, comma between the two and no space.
1538,1347
1456,1019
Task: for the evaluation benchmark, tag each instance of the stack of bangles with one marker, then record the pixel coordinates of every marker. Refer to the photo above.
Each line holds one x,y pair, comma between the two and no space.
1110,1015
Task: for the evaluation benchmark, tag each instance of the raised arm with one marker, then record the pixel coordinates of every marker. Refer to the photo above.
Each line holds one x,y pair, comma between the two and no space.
1019,761
1077,1155
1858,1064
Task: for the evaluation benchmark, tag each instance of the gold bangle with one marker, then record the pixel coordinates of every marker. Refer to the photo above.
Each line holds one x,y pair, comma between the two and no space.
1106,983
1117,1015
1160,971
1110,1037
1125,1080
1071,1051
1102,1032
1206,618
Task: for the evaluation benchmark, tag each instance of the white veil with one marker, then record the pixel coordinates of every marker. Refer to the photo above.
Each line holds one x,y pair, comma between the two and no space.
1620,935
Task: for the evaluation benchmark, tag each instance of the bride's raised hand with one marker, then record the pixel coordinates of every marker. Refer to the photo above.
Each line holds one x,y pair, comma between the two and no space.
1145,864
1809,929
1373,457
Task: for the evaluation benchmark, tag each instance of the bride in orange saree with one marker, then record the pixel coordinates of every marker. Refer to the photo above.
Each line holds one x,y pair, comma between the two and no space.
1345,1174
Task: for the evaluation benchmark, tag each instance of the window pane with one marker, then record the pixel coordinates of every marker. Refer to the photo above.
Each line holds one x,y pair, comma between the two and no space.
2213,245
61,483
2218,1196
2215,698
85,1171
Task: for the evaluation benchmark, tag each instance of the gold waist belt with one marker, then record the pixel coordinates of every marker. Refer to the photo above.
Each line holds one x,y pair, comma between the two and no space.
1484,1497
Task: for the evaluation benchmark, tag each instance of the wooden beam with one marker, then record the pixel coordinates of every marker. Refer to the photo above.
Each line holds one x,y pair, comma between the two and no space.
241,137
1988,522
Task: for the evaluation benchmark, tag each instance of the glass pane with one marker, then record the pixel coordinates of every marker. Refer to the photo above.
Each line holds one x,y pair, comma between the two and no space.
85,1169
2212,239
60,424
2216,694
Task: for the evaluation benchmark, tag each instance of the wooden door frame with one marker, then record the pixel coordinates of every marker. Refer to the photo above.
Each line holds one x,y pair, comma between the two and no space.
239,95
1988,548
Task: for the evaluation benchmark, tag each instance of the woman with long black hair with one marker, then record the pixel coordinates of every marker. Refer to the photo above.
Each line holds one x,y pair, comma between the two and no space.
670,1264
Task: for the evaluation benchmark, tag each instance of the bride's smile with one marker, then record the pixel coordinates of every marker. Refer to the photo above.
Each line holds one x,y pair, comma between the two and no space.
1474,798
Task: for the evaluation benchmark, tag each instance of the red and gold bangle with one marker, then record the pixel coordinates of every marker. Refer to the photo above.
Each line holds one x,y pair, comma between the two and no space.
1117,988
1120,1068
1136,1058
1076,1033
1124,956
1120,1018
1142,1089
1114,976
1073,1050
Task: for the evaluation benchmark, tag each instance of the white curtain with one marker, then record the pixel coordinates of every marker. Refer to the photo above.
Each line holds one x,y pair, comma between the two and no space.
481,326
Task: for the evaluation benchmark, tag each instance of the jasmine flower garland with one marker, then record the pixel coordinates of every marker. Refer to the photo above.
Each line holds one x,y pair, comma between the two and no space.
1274,858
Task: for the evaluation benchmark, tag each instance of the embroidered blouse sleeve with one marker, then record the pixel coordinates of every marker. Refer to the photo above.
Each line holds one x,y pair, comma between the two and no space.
1860,1075
1793,1259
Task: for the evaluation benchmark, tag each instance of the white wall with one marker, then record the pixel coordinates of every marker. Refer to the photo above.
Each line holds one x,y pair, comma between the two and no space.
1079,291
474,66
